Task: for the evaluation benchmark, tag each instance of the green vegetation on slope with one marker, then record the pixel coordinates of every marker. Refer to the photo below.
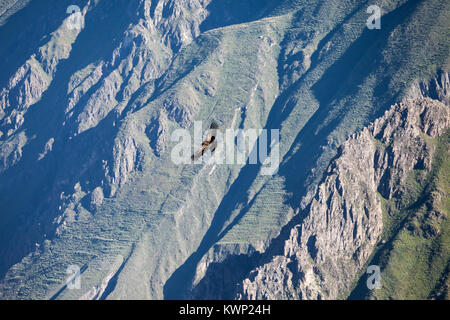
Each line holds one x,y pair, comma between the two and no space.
414,252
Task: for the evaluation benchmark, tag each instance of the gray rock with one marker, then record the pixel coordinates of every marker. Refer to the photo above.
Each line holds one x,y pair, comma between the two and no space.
96,198
343,223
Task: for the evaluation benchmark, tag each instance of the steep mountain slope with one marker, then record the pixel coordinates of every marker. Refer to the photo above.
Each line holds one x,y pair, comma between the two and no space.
344,222
86,116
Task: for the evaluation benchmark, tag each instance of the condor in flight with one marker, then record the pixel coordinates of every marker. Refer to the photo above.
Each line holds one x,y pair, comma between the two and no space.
210,142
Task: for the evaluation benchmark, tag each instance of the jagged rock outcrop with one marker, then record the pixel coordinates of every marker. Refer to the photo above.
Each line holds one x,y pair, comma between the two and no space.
157,133
178,21
85,150
103,90
344,221
97,197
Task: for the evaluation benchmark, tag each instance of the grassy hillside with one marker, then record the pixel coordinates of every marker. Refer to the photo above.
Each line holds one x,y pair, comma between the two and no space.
309,68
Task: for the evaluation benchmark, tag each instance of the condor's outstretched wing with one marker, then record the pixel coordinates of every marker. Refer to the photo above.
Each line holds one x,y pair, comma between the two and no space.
210,143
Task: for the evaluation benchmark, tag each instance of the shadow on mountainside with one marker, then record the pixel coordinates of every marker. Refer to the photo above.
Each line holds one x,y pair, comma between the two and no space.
24,185
228,12
311,138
